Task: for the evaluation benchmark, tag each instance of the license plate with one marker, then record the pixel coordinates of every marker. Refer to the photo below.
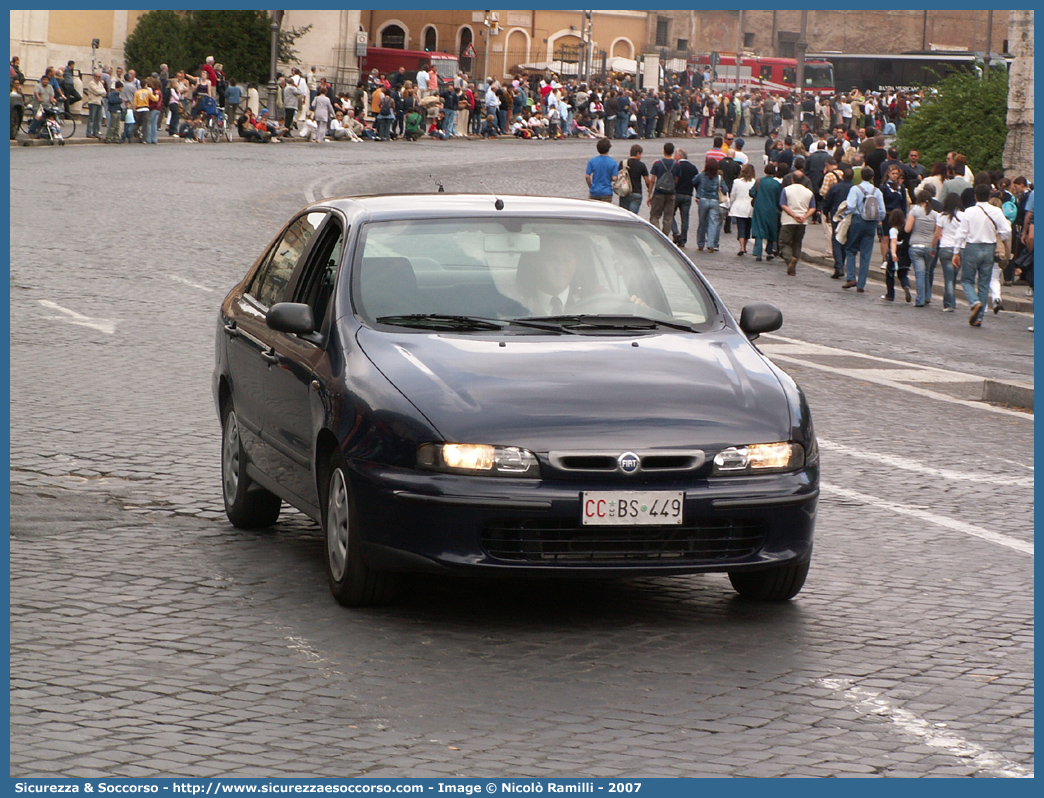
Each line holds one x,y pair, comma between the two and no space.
632,508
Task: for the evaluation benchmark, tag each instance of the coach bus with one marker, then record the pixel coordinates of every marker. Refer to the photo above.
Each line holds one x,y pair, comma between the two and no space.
768,74
881,71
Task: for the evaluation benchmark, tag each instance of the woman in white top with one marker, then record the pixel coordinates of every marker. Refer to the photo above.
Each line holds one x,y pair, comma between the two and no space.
943,242
741,206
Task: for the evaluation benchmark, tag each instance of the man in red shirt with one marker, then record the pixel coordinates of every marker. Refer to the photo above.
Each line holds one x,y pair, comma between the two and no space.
716,153
208,70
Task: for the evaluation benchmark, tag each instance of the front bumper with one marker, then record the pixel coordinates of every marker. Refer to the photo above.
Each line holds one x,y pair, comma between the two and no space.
419,521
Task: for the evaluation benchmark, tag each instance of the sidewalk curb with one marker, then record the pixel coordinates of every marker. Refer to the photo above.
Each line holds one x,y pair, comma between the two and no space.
1013,394
1011,303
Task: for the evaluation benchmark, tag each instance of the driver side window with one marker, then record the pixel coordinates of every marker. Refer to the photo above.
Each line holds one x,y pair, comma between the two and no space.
315,286
270,283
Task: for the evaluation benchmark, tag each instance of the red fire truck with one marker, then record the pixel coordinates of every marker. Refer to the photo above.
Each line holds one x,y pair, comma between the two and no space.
389,59
767,74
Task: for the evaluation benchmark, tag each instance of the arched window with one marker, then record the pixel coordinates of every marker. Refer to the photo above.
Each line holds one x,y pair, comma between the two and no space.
431,38
465,40
393,36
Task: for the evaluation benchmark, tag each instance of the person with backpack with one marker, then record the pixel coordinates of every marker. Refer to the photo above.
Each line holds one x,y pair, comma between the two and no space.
867,208
637,173
385,116
661,198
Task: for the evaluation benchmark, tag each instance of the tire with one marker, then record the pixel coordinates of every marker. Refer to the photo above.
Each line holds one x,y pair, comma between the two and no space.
352,582
215,134
227,131
68,126
781,583
246,505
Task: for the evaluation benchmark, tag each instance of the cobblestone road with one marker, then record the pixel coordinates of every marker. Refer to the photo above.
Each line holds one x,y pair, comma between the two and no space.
149,637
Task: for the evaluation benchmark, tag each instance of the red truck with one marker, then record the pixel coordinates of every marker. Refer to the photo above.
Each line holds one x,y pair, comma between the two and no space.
388,60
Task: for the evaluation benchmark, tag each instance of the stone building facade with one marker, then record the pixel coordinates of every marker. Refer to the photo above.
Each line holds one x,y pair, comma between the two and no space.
543,37
775,33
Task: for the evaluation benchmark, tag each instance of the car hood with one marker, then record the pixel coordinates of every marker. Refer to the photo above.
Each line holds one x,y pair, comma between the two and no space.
549,393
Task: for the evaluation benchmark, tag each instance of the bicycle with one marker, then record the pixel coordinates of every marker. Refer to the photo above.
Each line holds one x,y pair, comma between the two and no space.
67,121
218,127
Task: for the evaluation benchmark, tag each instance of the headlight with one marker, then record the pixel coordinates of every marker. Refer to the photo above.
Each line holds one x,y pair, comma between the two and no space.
759,458
478,458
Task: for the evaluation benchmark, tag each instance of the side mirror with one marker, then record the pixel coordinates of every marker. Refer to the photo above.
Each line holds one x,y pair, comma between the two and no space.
291,317
760,317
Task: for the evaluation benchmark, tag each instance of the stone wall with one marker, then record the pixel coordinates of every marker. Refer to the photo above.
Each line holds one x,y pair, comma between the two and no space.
1018,149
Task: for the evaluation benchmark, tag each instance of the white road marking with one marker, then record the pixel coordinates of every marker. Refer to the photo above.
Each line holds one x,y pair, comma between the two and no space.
870,702
916,375
784,350
107,326
319,189
912,465
179,279
931,518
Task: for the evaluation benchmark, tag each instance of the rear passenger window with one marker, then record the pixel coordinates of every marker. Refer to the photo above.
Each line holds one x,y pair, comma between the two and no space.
269,286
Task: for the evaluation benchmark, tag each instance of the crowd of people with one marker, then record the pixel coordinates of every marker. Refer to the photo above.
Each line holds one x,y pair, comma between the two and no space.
976,229
411,105
825,161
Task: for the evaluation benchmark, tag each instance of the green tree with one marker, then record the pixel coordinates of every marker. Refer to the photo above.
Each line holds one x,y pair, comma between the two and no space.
238,40
968,114
159,38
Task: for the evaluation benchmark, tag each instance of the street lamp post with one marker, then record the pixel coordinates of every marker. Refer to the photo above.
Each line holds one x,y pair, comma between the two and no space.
802,48
273,89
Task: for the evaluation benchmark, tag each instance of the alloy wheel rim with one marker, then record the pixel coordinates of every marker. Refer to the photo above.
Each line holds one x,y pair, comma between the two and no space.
337,525
230,459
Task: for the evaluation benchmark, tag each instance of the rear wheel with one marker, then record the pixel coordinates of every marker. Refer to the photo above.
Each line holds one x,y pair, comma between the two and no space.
68,125
352,582
215,134
246,505
770,584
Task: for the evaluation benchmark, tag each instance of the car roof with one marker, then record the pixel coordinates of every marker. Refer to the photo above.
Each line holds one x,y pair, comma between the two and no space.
390,207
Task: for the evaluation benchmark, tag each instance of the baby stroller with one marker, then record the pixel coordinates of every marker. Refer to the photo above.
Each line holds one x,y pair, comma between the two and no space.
216,122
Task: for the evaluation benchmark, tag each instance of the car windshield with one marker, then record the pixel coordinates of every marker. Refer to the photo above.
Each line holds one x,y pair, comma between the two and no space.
527,274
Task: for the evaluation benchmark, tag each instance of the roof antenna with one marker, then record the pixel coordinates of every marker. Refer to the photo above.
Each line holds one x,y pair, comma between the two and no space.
438,183
499,203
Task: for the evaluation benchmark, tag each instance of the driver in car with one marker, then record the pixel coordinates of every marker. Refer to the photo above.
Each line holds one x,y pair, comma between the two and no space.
557,280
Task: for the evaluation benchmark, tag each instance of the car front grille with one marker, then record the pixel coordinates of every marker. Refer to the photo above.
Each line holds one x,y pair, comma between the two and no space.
565,542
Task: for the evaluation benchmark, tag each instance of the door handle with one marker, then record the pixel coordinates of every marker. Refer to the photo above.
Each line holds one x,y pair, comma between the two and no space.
270,356
230,329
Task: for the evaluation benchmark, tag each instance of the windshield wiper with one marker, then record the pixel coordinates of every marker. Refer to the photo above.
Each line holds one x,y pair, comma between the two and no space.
443,321
606,322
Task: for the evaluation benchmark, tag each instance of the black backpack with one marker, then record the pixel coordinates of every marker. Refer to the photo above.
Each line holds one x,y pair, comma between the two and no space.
665,182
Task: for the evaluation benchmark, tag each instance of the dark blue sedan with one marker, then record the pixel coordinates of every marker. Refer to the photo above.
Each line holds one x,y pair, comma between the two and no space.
515,385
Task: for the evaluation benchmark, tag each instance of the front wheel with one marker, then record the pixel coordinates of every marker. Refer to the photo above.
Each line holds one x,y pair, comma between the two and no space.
352,582
226,129
68,126
246,505
780,583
